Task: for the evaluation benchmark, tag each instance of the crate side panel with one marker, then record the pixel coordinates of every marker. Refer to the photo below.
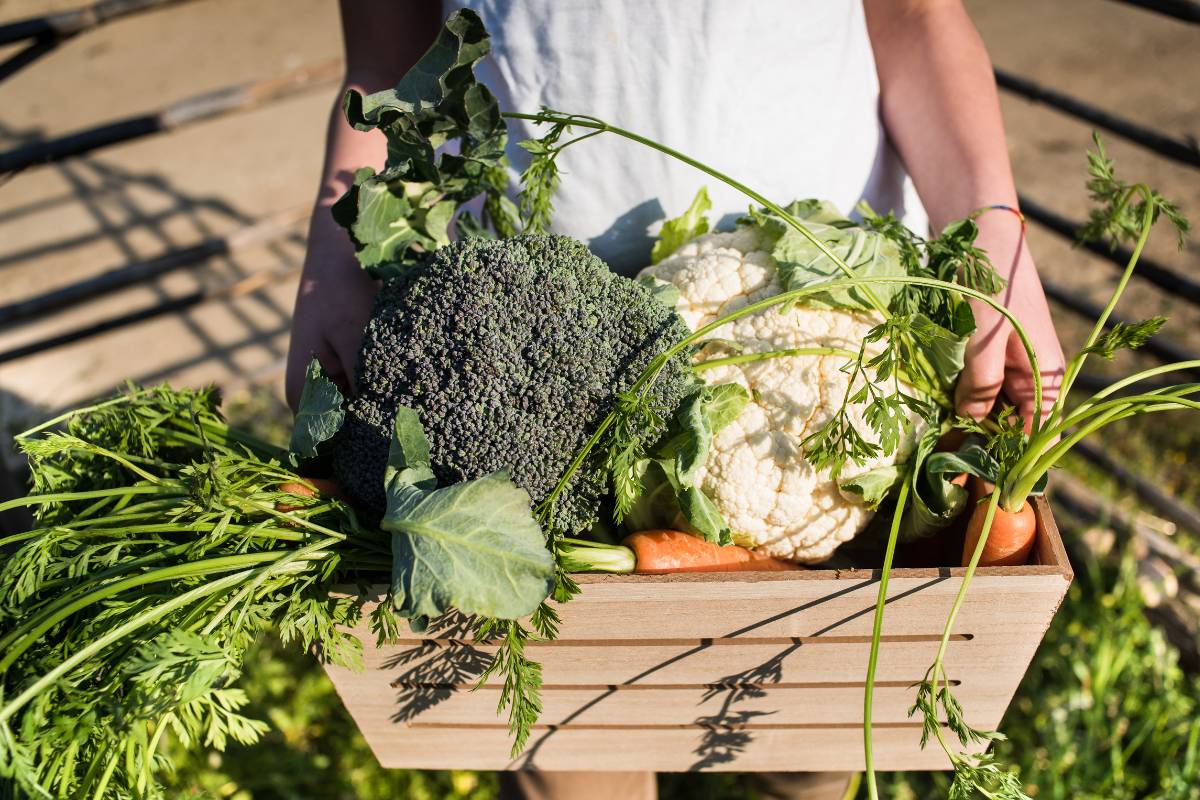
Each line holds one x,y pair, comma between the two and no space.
664,750
806,608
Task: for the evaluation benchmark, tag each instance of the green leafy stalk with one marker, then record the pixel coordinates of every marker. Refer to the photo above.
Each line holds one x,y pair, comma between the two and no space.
876,631
159,556
971,773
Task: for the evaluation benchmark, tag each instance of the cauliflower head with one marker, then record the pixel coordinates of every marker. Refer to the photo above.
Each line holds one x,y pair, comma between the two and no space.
772,498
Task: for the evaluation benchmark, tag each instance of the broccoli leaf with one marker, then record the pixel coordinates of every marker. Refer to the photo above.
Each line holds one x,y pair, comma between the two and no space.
398,215
408,457
461,43
319,415
474,546
676,232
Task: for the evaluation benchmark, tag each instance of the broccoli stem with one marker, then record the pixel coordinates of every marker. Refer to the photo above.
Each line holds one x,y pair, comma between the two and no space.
579,555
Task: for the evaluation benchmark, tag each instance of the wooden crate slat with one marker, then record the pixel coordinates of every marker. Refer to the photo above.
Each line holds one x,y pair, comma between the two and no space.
674,704
674,750
798,607
597,665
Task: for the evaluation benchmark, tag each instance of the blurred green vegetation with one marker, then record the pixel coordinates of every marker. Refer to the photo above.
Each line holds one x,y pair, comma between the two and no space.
1104,713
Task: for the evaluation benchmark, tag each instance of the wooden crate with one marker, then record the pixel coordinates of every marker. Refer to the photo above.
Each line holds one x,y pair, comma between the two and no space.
736,671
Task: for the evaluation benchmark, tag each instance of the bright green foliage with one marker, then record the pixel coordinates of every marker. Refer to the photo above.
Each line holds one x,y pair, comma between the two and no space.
676,232
1120,209
158,558
512,351
1126,336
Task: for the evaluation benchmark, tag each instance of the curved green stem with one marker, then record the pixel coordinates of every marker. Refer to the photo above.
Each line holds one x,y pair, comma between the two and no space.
748,358
583,121
1116,386
876,632
1023,482
1076,364
989,516
1170,393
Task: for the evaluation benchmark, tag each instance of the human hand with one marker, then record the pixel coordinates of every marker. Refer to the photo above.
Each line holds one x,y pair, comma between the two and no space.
995,358
333,305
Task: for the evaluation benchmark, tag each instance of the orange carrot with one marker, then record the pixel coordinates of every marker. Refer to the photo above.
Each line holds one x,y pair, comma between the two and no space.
664,551
1010,541
322,486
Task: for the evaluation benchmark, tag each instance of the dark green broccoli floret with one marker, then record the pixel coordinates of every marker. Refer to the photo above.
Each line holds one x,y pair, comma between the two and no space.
513,351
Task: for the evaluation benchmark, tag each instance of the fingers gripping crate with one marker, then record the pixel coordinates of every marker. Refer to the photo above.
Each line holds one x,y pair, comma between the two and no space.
733,671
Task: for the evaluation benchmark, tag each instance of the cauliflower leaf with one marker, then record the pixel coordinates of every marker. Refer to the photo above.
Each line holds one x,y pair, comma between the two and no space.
682,229
801,263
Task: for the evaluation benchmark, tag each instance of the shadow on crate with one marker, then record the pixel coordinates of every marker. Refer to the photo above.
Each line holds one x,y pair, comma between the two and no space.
430,681
724,737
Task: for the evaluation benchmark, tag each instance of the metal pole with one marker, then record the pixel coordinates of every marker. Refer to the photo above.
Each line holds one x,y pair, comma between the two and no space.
270,229
1185,151
252,283
78,20
1183,10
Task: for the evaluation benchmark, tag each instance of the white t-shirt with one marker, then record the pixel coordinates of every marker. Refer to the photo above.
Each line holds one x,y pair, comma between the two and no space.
780,94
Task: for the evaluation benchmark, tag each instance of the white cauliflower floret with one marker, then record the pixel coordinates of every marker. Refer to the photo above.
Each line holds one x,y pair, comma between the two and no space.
770,495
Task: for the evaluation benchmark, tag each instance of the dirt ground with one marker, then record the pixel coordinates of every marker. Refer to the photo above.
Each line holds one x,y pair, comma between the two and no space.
126,203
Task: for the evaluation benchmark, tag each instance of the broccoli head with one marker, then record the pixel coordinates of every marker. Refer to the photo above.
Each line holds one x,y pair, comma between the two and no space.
513,351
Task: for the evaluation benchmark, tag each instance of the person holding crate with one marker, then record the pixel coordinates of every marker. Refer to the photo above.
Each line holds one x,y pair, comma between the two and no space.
888,101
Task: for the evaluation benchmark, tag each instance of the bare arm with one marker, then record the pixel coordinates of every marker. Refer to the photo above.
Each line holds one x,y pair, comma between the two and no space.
383,38
940,108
